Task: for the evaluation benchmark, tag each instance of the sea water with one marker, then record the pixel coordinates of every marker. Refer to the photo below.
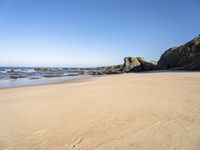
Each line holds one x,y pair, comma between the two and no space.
24,76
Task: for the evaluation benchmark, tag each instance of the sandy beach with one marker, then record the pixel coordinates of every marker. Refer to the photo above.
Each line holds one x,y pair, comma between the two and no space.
136,111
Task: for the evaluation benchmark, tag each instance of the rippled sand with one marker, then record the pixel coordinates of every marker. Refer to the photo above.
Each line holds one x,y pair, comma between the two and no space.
144,111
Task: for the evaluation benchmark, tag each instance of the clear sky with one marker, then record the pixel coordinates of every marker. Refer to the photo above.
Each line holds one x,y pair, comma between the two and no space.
92,32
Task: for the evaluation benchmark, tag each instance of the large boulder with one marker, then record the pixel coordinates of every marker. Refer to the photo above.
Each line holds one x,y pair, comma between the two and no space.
184,57
132,64
137,64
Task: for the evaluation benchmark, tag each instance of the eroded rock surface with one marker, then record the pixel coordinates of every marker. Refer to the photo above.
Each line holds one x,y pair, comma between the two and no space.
184,57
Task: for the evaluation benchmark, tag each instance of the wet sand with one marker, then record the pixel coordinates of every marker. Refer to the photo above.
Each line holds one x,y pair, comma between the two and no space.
143,111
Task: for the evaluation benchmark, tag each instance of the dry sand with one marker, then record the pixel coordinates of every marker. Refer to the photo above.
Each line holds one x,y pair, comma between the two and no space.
144,111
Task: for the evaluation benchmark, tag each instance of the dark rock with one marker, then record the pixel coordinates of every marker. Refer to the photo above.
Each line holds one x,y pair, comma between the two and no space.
53,75
113,69
17,76
184,57
11,71
41,69
33,78
147,66
73,74
96,73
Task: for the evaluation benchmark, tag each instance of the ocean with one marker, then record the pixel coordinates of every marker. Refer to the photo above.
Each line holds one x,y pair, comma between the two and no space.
24,76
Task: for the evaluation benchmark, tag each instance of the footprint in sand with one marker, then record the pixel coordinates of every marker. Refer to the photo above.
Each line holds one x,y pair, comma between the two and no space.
72,146
75,142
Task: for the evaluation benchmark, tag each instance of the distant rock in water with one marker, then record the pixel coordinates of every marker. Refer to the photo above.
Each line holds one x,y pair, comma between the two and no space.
137,64
17,76
184,57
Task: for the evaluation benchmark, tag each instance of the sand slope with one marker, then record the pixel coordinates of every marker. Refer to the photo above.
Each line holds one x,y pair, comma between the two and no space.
144,111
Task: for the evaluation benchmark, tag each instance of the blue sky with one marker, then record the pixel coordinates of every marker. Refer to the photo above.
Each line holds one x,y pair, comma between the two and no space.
82,33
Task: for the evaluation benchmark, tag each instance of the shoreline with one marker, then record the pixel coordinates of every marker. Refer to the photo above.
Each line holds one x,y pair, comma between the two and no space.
86,78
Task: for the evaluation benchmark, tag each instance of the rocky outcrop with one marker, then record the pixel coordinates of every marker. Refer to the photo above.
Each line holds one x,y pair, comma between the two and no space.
113,69
184,57
148,66
136,64
131,64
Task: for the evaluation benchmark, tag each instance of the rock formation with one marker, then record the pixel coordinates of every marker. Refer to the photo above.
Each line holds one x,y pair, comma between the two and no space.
131,64
113,69
136,64
184,57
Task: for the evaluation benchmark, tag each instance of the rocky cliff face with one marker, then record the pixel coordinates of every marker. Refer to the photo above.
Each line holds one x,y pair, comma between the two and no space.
184,57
